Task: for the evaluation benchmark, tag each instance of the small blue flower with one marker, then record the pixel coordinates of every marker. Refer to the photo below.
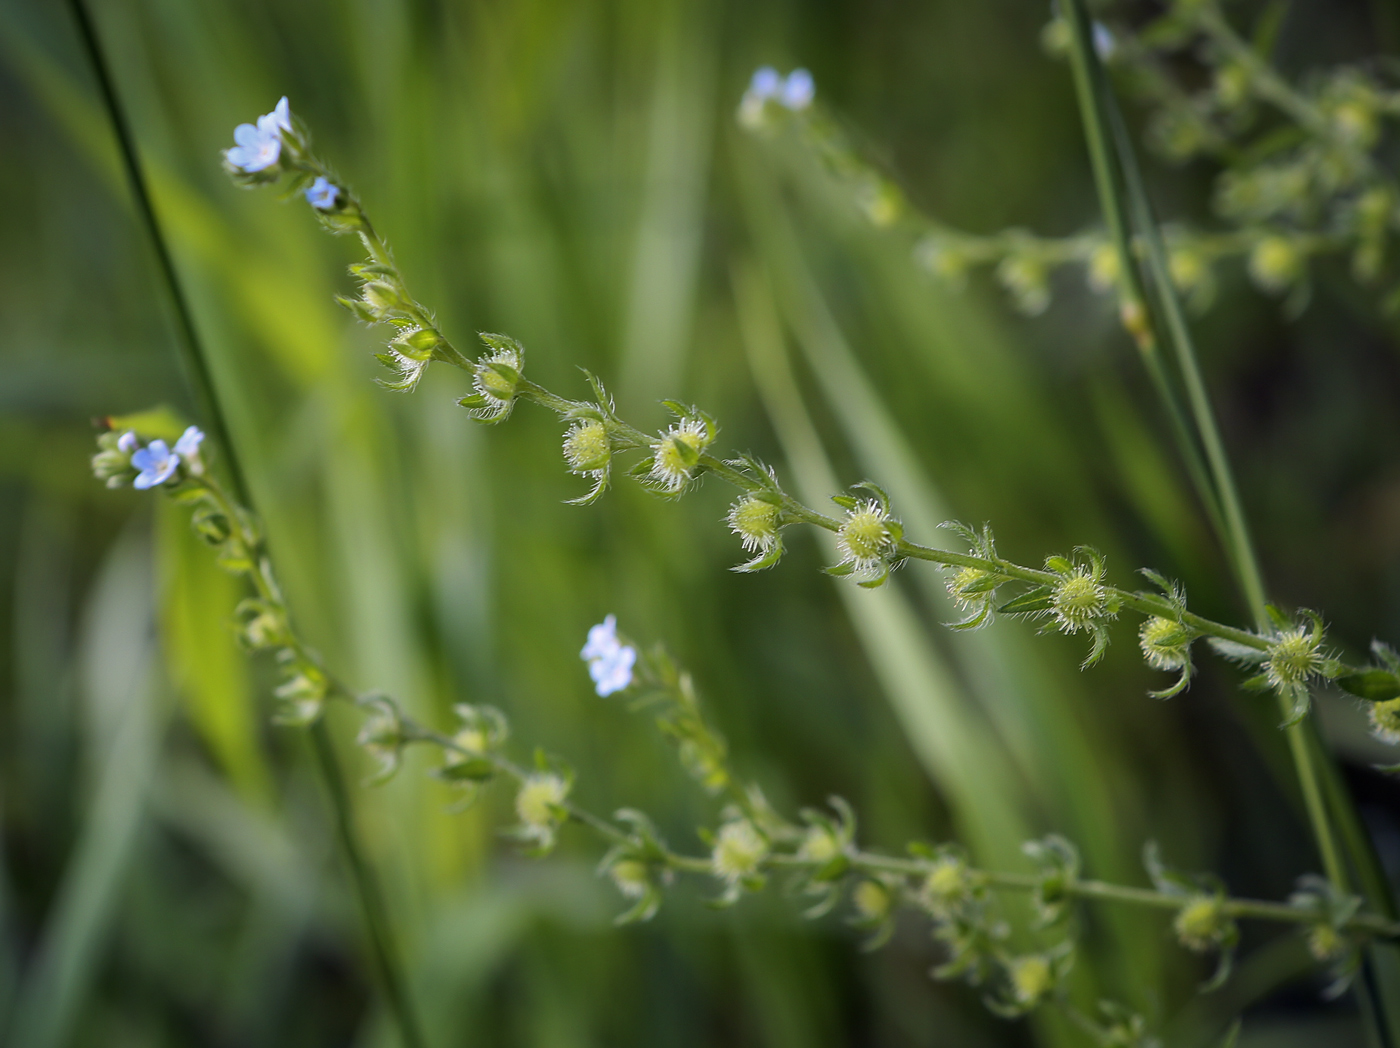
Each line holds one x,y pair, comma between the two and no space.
256,150
157,464
613,672
766,83
322,194
602,640
260,146
798,90
128,442
280,118
610,661
187,447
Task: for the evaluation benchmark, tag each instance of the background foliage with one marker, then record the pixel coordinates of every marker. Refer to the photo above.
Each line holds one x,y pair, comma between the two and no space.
570,172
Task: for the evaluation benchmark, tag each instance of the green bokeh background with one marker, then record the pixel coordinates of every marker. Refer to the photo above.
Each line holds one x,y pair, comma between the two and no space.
569,171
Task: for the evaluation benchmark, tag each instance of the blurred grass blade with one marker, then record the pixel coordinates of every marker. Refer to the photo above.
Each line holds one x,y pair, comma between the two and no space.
668,242
122,737
958,750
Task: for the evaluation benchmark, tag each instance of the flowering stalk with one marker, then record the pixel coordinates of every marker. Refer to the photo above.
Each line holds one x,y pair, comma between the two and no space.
753,840
1070,594
1291,203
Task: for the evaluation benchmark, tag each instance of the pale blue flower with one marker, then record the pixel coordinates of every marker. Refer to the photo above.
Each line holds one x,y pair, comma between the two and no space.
280,119
321,194
610,661
602,640
257,149
187,447
260,146
766,83
798,90
157,464
613,672
128,442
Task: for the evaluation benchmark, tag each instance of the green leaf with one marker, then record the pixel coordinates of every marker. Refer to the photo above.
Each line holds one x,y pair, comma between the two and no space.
1041,598
474,769
1373,685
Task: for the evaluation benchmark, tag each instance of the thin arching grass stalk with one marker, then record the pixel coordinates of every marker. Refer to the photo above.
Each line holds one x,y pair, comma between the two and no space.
1104,124
200,379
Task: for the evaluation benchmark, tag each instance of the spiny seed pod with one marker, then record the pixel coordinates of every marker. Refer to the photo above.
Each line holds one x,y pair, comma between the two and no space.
1326,943
1166,644
1079,600
495,377
1293,658
631,877
738,851
1032,977
947,886
819,845
967,586
873,901
1189,269
755,522
864,537
587,447
539,798
1201,923
674,456
1104,268
1275,263
1385,720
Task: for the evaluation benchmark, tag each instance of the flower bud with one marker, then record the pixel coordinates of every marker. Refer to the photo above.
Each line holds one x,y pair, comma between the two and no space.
1166,644
112,463
381,298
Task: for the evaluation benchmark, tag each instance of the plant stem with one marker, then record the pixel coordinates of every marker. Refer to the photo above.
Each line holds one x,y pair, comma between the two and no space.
376,917
200,379
1103,121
